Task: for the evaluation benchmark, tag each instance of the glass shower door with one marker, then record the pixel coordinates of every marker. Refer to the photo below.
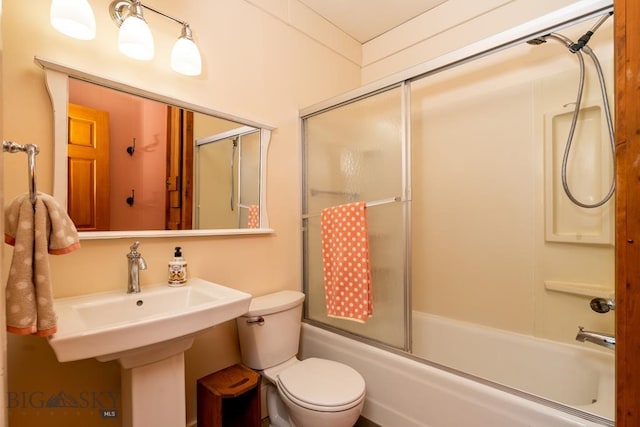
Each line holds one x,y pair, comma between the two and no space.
358,152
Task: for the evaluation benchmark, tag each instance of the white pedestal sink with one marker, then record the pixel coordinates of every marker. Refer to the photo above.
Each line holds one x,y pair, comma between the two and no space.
147,333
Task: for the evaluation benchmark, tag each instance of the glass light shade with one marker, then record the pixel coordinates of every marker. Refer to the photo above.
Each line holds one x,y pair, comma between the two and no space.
185,57
73,18
135,39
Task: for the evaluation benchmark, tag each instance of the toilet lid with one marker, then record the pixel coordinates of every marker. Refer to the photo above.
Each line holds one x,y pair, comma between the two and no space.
322,385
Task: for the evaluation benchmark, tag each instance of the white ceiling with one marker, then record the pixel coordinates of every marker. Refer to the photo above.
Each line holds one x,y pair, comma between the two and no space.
366,19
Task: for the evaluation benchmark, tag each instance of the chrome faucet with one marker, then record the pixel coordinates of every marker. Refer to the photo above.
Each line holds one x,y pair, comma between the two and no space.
135,264
598,338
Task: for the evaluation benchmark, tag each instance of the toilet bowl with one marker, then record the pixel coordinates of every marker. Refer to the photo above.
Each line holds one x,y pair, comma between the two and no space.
318,392
301,393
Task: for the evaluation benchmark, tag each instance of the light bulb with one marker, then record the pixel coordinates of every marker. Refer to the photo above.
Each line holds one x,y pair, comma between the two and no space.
73,18
135,39
185,56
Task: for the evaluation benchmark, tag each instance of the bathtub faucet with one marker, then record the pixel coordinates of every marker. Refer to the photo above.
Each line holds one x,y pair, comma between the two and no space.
598,338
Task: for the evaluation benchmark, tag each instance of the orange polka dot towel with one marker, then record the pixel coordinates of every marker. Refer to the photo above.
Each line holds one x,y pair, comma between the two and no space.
254,213
345,260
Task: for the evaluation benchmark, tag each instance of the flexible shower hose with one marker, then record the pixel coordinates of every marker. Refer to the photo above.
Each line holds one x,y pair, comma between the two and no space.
605,102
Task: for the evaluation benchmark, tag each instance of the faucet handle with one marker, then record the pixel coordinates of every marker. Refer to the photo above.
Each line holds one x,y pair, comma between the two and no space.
601,305
134,247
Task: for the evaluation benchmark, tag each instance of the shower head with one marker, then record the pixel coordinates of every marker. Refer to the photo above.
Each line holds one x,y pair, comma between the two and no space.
537,40
582,41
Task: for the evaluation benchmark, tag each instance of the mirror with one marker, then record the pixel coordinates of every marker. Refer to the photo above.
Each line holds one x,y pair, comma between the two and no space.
165,166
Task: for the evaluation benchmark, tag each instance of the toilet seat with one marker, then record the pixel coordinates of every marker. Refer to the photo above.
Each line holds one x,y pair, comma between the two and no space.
322,385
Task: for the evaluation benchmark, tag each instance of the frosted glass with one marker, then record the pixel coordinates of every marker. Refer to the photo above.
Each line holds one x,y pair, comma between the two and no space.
215,193
354,153
229,187
479,252
249,176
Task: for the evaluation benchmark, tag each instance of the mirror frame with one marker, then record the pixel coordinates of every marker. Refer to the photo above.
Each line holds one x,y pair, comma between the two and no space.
57,82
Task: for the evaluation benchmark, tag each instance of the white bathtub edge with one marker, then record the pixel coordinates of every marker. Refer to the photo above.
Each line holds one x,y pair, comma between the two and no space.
403,392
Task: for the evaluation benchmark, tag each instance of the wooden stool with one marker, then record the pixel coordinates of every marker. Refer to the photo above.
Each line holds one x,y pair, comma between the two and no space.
229,398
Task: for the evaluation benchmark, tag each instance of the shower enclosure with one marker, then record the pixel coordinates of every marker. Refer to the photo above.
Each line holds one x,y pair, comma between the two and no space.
227,170
461,168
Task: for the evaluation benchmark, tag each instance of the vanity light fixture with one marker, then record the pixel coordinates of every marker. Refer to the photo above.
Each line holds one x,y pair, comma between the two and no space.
134,38
185,56
73,18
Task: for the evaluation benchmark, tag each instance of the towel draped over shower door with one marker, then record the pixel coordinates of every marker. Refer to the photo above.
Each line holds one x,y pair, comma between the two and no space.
346,263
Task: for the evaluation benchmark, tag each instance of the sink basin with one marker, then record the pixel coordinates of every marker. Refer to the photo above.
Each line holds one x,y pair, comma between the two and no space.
113,324
147,333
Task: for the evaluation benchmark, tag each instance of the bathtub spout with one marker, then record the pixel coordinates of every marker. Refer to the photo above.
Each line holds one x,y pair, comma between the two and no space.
598,338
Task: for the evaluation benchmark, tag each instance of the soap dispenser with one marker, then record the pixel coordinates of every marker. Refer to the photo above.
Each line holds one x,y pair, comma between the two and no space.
177,269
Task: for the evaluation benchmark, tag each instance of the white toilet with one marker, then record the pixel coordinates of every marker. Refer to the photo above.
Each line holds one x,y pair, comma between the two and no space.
310,393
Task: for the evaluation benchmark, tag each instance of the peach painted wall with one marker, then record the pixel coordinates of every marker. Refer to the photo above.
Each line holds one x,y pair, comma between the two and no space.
144,172
265,71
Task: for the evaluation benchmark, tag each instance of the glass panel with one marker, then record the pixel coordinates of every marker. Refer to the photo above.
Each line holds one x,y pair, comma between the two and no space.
249,176
354,153
215,196
488,254
228,173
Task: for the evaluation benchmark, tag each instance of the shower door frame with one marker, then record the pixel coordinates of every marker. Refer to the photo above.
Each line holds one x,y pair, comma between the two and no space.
405,138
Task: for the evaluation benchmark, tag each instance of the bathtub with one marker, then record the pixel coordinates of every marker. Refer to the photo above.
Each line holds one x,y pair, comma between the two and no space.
578,375
404,391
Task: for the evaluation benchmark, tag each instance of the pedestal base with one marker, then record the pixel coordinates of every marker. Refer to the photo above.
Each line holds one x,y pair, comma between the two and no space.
153,394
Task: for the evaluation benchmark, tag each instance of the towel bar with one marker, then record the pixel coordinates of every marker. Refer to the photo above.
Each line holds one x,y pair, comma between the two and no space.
314,192
32,150
369,204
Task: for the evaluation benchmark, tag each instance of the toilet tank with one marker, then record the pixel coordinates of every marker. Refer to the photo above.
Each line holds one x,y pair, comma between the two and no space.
269,332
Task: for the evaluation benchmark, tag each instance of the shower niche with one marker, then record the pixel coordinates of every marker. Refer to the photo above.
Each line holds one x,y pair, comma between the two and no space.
588,174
